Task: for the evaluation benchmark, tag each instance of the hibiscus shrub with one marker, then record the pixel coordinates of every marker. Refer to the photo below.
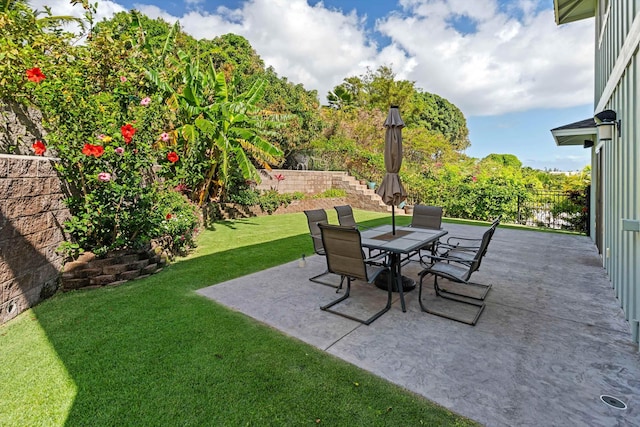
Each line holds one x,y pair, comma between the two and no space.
114,197
109,130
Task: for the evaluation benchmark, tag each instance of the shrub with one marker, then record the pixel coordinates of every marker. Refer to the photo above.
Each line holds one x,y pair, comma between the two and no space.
271,200
245,197
180,221
331,193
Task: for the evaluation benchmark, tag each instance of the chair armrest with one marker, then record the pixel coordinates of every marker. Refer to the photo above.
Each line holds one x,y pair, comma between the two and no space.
433,257
461,240
375,259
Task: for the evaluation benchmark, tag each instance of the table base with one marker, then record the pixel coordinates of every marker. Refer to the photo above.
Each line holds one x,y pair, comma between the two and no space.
408,284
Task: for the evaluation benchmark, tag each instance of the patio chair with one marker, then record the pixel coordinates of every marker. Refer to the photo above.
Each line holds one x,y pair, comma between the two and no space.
463,248
346,218
457,270
429,217
315,217
343,249
462,243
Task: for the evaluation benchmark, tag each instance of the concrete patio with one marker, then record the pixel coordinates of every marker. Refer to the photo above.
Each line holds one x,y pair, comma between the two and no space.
550,342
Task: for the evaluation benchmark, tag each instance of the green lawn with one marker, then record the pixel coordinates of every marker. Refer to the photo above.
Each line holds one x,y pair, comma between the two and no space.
152,352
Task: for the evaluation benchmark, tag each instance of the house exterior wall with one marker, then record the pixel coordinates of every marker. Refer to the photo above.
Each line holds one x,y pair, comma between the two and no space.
617,88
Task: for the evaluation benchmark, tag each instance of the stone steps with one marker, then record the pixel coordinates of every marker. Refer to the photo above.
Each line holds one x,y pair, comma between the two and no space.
360,196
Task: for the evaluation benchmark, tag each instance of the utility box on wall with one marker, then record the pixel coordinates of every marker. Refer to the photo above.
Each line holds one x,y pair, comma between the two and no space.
630,224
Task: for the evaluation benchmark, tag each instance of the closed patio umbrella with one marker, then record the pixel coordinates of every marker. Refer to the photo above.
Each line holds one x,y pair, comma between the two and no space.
391,189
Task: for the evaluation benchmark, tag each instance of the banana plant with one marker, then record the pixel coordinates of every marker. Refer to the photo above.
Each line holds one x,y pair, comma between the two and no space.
216,131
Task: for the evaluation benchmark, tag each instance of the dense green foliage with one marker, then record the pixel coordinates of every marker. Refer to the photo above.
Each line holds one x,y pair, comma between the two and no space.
104,124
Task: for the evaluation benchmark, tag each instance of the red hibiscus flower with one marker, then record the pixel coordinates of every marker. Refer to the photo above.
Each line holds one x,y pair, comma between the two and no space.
127,132
39,148
172,157
35,75
93,150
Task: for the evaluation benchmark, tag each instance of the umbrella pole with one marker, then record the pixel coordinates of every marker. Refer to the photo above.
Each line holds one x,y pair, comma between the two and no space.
393,219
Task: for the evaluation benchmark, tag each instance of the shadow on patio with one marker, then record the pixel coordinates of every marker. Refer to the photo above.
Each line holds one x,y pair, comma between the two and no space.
550,342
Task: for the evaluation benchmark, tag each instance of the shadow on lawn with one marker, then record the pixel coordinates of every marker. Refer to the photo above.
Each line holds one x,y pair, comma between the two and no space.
152,351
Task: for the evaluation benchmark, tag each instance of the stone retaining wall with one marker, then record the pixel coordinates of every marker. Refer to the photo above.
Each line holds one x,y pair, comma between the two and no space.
303,181
31,216
115,269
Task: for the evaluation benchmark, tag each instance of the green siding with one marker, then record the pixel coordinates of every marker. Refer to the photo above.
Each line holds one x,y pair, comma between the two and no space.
621,169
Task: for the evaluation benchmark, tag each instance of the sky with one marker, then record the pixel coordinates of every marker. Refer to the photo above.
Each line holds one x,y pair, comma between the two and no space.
510,69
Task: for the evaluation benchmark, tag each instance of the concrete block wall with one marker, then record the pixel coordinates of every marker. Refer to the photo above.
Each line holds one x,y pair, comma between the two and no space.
315,182
32,212
303,181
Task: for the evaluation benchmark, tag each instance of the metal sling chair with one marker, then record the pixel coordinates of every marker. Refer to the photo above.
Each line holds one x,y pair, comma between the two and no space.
455,248
315,217
457,270
346,218
429,217
465,243
343,249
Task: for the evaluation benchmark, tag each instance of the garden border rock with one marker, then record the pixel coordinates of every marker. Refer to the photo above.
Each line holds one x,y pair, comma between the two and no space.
115,268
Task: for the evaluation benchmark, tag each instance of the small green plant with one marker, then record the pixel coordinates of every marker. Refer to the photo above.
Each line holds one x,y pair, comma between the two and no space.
331,193
271,200
180,223
245,197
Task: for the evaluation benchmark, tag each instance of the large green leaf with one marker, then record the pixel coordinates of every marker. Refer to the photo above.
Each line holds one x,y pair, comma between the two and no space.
209,128
189,132
245,165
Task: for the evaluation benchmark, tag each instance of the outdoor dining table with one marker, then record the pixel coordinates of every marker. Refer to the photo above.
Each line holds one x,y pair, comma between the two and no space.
405,241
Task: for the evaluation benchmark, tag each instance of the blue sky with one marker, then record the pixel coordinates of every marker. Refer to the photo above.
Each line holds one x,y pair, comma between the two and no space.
514,74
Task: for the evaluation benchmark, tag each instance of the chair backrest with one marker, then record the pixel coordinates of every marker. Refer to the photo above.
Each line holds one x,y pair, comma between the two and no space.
315,217
493,227
345,216
343,249
496,222
482,250
427,217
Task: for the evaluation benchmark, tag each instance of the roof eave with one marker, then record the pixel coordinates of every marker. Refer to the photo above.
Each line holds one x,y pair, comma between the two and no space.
566,11
566,137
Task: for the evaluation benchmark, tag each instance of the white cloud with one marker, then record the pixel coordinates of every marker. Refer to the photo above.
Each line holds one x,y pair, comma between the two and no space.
105,10
506,65
512,60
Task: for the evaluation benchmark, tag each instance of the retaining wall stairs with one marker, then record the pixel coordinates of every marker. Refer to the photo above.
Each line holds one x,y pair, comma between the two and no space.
359,195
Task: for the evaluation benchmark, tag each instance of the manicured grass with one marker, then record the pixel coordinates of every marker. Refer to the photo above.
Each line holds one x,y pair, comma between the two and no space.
152,352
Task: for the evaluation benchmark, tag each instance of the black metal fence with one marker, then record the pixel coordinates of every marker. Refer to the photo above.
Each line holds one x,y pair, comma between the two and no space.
561,210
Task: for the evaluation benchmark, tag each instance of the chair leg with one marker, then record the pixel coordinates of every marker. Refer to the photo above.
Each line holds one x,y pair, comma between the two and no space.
486,289
438,291
326,272
368,321
339,300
